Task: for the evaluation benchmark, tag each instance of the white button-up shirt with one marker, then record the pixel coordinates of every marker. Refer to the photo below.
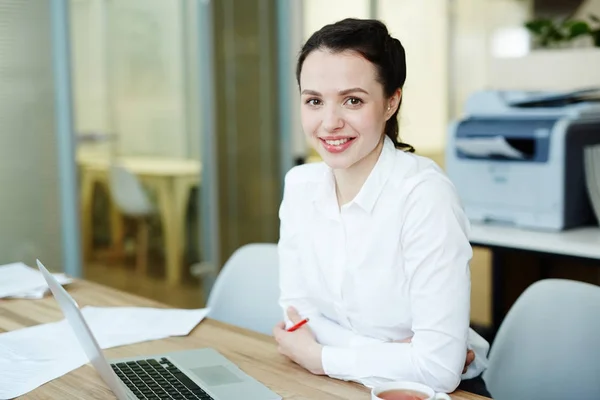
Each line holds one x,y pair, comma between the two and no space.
390,265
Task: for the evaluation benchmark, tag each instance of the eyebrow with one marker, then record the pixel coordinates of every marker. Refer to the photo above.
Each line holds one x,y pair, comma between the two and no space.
341,93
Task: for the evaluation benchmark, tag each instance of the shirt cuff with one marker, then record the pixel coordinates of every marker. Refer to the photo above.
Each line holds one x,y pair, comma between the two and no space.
338,362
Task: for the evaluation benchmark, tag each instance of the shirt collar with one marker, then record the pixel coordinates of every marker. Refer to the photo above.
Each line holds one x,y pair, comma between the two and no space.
373,186
371,189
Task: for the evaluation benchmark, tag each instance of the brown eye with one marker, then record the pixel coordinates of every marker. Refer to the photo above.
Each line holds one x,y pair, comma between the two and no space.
313,102
354,101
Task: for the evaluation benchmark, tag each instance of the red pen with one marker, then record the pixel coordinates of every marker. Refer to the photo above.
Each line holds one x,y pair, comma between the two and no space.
298,325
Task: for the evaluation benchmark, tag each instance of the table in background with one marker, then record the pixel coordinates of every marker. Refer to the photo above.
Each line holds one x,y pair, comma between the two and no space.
580,244
256,354
171,178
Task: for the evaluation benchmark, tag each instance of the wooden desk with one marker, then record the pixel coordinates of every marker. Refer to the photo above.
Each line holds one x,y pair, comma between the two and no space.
172,179
579,244
254,353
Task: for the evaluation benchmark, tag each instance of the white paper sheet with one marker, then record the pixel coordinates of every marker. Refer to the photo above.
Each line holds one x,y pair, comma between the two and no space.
17,280
118,321
40,292
32,356
487,146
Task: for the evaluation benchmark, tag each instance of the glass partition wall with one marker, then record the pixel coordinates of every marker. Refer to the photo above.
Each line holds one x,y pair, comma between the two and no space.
37,202
177,109
137,91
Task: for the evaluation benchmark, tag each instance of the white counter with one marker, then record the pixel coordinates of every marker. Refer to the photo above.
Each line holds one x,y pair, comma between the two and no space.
578,242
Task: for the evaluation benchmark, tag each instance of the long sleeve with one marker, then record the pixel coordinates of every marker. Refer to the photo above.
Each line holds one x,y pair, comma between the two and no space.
436,254
293,286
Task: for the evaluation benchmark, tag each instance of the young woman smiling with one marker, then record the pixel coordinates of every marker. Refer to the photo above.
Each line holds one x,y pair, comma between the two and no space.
374,245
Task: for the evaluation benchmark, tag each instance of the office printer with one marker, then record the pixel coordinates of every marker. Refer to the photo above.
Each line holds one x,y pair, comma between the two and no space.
516,158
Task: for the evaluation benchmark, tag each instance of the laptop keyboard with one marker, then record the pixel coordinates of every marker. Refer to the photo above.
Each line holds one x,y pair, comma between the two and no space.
158,379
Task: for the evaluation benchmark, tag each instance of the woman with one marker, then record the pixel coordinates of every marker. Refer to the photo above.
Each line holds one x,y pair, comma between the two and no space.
374,243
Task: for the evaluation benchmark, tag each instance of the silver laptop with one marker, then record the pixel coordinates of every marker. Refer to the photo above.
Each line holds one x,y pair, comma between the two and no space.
189,374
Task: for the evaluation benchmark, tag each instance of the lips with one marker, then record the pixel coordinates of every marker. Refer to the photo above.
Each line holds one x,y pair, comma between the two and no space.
337,144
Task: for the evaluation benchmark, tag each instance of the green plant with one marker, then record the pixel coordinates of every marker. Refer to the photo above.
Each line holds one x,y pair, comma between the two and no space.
549,33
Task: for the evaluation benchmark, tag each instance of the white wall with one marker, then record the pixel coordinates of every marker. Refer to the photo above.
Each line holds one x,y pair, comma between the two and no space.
88,48
422,27
474,25
92,108
475,67
547,69
130,74
146,70
571,69
318,13
29,182
588,7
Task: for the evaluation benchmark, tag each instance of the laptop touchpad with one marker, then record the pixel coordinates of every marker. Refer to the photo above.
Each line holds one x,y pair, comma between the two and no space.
215,376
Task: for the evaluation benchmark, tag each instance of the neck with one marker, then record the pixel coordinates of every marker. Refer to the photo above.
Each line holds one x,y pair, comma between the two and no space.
349,181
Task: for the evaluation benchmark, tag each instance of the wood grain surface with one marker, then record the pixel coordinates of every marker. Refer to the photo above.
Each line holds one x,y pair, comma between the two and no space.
254,353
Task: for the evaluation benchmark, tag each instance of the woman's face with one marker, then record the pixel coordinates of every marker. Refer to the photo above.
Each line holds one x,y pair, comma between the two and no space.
343,109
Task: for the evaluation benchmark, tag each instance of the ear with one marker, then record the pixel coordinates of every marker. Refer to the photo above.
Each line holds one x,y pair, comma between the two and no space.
393,103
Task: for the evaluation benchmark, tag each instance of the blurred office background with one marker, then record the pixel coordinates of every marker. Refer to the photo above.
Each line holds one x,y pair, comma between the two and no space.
143,141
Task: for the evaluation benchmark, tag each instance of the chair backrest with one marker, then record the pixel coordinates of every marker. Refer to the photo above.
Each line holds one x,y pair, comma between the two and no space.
548,346
246,292
127,192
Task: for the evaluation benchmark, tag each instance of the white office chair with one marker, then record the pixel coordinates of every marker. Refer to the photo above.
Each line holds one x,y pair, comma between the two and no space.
246,292
548,346
132,200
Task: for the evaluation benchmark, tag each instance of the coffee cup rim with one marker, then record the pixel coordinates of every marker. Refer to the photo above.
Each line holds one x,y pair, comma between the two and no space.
416,386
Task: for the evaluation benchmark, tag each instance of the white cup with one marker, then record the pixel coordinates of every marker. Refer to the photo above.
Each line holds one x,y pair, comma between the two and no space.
414,386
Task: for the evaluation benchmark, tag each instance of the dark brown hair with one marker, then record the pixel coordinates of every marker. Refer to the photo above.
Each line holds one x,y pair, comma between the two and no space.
371,39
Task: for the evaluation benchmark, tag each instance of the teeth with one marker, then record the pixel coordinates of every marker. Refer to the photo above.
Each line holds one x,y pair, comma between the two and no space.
336,142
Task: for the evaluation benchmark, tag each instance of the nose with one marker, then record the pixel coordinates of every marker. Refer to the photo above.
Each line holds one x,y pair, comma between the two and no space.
332,120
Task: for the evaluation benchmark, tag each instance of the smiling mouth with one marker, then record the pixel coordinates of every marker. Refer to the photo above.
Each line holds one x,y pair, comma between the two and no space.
337,142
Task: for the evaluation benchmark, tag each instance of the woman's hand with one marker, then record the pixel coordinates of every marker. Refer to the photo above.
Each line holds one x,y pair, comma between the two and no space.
469,360
470,353
299,346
